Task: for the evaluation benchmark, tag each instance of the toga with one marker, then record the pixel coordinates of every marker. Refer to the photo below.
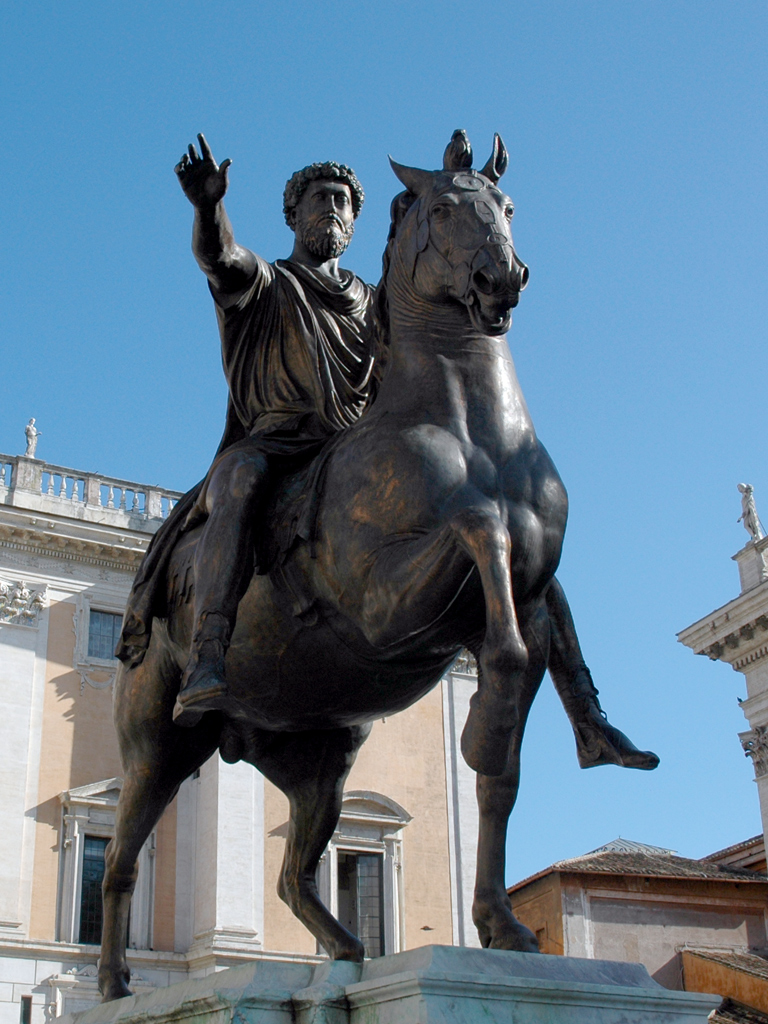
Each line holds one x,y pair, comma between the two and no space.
298,354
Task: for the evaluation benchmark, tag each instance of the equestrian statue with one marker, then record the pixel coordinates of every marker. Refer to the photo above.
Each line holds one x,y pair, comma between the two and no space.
379,502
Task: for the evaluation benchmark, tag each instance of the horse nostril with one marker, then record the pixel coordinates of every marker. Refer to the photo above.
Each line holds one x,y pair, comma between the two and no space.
483,282
524,277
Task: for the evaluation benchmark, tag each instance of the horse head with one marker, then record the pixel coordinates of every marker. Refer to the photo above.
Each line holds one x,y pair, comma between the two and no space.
451,236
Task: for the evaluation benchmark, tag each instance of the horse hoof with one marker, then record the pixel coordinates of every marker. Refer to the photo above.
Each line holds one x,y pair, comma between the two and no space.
518,940
509,934
114,988
353,951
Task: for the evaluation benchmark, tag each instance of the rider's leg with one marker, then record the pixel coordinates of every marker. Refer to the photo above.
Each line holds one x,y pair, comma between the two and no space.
223,570
597,741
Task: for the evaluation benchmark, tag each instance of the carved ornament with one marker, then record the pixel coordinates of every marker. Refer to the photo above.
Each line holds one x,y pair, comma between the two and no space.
755,743
20,605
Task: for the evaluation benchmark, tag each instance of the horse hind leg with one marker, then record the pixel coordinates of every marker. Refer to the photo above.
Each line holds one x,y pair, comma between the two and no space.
311,768
157,757
493,713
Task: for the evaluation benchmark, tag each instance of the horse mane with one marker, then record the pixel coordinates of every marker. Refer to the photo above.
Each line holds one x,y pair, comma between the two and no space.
401,204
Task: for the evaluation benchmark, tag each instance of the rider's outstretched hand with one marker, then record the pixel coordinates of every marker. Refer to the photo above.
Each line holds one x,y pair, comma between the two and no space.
203,180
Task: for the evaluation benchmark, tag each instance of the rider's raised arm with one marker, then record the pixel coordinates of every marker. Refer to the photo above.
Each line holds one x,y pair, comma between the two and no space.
228,266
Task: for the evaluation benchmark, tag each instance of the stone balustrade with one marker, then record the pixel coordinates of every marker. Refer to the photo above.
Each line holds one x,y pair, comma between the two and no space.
58,489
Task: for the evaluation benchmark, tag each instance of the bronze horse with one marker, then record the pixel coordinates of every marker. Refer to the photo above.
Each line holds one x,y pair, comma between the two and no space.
438,526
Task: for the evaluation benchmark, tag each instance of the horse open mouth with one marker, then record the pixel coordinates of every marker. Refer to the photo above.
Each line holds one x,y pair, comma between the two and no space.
493,320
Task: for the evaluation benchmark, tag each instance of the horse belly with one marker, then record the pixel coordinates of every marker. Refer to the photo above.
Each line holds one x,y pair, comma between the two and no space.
293,675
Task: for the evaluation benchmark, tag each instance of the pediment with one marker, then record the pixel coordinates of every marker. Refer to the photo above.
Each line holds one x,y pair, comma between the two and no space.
367,806
105,793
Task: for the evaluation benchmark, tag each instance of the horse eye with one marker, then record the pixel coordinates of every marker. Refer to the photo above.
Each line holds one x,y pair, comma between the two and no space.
509,212
440,211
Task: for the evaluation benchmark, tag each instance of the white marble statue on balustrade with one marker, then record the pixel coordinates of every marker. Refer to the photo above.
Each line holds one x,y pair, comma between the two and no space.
749,516
32,437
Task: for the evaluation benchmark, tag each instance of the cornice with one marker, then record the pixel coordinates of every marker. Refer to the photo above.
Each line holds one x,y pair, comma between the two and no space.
736,633
40,541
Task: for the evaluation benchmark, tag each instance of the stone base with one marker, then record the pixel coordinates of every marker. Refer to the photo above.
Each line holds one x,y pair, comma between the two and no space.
431,985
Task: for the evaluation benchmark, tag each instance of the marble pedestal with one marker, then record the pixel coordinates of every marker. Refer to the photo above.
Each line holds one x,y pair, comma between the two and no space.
430,985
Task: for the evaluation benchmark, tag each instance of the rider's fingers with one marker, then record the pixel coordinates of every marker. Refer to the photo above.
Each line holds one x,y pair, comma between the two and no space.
193,153
224,166
205,149
182,165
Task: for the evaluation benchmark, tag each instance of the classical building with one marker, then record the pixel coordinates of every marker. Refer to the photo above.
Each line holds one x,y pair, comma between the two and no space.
632,902
399,870
737,633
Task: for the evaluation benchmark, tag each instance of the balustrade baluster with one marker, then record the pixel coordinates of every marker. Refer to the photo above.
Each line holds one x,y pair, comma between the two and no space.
49,489
63,487
2,474
123,494
111,496
135,505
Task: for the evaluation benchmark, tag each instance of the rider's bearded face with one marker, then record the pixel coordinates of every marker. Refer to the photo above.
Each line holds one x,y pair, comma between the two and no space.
324,218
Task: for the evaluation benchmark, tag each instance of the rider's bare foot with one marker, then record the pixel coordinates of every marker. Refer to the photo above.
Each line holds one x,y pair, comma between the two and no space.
204,684
598,742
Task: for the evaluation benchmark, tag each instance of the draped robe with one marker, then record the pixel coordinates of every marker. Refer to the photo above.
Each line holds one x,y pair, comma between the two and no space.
298,356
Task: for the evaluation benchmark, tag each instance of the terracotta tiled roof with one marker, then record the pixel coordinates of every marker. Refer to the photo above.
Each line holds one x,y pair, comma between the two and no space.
658,865
731,1012
748,963
736,848
647,865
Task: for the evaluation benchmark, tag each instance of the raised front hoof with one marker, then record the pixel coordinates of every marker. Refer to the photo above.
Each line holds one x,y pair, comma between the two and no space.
113,986
604,744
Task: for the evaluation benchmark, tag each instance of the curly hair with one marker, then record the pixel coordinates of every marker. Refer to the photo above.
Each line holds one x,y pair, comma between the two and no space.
297,184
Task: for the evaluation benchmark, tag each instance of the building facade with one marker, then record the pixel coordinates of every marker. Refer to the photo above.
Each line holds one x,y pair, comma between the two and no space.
632,902
399,870
737,634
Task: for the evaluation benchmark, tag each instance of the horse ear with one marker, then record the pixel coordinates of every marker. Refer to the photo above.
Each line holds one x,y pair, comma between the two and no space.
416,181
458,152
498,162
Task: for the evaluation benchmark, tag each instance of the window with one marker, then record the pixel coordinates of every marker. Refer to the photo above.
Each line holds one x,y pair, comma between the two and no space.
360,875
25,1016
361,898
90,889
103,634
88,821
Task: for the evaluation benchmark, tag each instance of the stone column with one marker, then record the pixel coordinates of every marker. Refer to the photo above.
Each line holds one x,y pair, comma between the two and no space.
220,864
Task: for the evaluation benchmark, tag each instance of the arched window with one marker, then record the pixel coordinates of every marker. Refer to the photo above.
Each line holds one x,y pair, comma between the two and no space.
360,876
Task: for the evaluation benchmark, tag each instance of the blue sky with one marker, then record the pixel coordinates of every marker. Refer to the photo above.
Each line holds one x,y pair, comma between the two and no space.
637,139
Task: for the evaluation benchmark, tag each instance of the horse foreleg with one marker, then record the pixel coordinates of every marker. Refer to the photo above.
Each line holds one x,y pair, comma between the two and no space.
497,926
311,768
493,712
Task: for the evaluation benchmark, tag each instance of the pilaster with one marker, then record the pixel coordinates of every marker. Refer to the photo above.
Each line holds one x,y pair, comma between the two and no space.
220,881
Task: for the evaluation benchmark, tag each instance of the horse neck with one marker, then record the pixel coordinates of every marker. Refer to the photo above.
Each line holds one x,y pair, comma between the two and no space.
440,366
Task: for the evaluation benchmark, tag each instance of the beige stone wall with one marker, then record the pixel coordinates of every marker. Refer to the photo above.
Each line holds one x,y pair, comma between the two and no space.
391,762
538,907
702,975
79,747
164,922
